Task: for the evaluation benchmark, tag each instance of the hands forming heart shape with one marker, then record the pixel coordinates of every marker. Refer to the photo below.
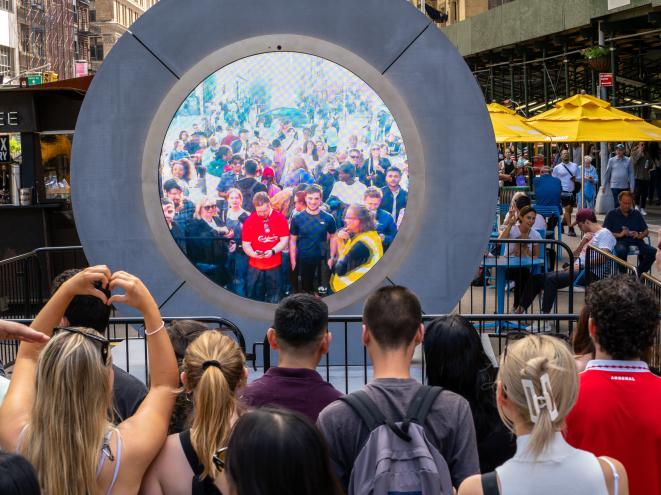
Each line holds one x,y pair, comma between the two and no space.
86,282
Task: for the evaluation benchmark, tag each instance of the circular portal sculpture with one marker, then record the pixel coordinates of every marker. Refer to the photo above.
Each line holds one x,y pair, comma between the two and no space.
391,49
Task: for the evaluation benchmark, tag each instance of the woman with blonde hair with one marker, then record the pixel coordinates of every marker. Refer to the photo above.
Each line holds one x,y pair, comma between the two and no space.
213,369
58,408
537,386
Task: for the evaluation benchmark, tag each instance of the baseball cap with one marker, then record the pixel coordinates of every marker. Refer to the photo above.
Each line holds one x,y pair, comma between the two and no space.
619,146
268,172
584,214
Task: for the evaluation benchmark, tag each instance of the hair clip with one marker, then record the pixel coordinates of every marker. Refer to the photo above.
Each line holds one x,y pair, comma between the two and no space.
536,403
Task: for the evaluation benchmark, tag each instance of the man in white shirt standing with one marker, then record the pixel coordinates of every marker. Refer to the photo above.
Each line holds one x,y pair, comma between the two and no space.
567,171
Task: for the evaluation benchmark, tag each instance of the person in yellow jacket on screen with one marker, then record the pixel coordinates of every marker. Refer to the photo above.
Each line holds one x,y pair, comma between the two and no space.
359,247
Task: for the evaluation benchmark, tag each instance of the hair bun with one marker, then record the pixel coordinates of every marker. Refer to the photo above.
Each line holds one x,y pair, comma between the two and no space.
535,367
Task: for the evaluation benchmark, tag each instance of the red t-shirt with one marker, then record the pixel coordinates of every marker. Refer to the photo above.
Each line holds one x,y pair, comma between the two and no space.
263,234
618,414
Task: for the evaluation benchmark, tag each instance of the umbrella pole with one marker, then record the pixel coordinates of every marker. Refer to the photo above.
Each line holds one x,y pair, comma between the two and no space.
583,175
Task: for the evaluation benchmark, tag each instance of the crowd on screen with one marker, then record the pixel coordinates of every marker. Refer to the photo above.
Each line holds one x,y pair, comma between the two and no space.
275,209
550,416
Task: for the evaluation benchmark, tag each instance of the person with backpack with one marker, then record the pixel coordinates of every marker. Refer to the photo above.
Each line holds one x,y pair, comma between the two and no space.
249,185
537,387
431,429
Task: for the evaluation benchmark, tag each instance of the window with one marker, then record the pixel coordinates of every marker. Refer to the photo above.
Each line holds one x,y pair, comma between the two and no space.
6,60
6,5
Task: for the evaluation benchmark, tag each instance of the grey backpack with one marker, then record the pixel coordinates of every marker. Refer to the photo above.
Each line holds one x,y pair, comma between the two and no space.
397,457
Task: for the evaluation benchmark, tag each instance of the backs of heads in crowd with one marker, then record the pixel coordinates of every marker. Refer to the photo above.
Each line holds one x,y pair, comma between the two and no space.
580,340
250,166
455,360
271,448
182,333
625,313
17,476
84,311
529,362
392,315
214,368
300,320
73,395
522,201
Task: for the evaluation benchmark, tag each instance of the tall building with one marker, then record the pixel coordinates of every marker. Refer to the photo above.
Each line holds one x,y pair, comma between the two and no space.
111,19
8,39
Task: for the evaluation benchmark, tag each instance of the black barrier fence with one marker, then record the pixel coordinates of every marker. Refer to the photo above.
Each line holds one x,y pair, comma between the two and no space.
131,353
514,273
25,280
603,264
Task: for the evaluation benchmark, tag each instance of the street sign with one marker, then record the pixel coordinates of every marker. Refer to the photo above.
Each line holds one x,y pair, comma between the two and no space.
605,79
34,79
5,157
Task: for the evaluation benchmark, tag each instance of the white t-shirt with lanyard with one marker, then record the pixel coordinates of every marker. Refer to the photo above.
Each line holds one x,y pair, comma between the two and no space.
564,172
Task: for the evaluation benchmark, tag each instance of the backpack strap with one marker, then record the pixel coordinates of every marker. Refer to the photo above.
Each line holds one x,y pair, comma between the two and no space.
371,415
365,408
421,404
490,483
191,456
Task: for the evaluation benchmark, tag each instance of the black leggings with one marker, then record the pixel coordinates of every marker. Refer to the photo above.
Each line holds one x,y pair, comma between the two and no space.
641,191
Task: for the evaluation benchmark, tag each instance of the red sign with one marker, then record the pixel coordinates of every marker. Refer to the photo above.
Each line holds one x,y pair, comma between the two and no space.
605,79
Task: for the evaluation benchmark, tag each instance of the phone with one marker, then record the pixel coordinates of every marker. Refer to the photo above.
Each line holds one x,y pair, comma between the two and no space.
259,252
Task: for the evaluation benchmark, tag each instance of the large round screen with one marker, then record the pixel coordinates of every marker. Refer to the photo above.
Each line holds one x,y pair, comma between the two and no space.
281,173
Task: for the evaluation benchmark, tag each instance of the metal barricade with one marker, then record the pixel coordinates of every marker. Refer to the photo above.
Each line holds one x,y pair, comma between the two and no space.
134,346
25,280
509,273
349,367
601,264
506,193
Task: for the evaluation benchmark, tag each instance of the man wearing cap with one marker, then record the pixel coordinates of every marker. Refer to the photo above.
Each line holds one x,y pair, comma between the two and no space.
594,235
619,174
567,171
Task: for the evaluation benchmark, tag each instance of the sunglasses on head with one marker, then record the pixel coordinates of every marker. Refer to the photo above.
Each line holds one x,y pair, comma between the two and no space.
104,343
219,458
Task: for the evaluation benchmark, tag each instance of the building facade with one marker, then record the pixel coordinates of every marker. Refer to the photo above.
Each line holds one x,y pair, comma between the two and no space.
110,19
8,39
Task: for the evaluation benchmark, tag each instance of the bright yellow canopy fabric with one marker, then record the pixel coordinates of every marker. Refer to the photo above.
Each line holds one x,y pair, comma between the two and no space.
585,118
510,127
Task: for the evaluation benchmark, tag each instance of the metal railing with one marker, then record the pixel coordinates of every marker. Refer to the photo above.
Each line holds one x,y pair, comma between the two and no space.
509,277
134,343
25,279
601,264
355,364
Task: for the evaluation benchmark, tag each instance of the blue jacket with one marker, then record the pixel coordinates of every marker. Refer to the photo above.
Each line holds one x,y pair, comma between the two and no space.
548,190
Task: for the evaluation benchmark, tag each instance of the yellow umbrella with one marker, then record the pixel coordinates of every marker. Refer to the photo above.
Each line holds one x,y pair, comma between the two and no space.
584,118
510,127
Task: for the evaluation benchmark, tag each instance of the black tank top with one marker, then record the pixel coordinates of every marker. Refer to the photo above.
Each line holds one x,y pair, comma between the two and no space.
199,487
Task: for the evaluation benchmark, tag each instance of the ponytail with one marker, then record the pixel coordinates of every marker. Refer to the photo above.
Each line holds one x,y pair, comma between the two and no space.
214,367
538,374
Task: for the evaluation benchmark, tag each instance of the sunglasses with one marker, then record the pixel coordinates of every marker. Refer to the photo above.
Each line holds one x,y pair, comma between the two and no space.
522,334
105,343
219,458
210,207
354,157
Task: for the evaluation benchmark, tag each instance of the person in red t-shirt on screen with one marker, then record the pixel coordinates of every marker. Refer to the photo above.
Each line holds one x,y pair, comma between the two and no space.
265,235
618,412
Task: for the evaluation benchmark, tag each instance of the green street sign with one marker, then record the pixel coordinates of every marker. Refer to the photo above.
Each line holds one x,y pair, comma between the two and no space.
34,79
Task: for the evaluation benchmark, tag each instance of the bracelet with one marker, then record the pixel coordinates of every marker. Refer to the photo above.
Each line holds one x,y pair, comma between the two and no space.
157,330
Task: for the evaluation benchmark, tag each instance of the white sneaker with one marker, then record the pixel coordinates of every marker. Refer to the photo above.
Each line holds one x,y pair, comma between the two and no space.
643,212
545,326
636,208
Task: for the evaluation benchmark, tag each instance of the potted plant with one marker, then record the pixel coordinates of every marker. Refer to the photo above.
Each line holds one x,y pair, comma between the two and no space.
597,57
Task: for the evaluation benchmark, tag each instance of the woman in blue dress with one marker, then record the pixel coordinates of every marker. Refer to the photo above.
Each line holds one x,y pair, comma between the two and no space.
589,178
